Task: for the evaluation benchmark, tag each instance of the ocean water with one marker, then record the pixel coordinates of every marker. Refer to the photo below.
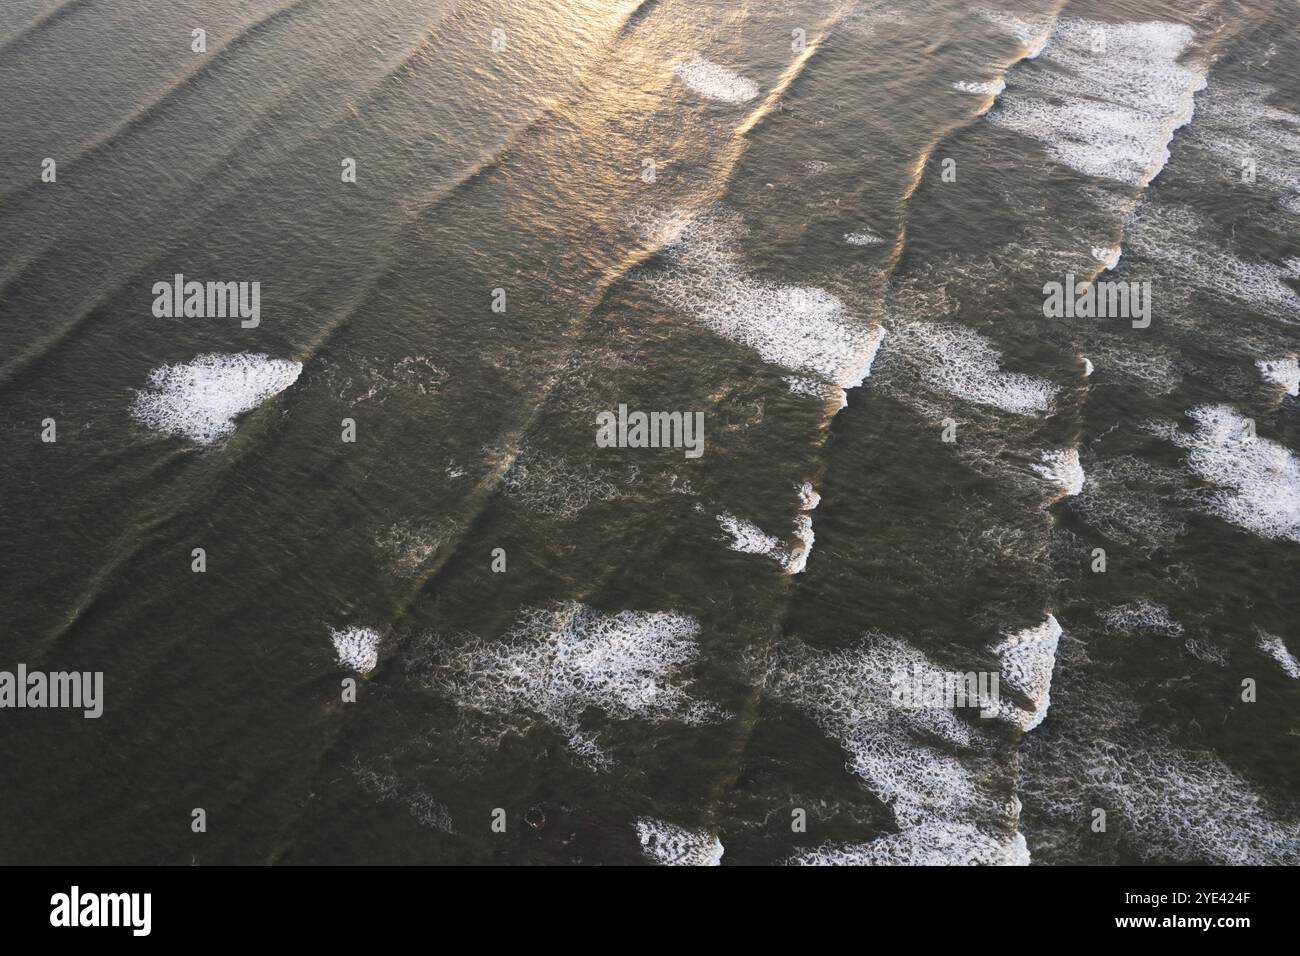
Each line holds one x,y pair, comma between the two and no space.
826,227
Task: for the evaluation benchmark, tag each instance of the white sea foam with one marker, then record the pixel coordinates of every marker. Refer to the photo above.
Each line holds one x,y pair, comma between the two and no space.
558,662
848,693
1236,122
747,537
913,759
201,399
1157,369
1107,255
816,388
1205,651
797,560
1172,805
863,238
357,648
802,328
933,843
1107,112
1062,468
1164,796
1130,501
715,82
1274,647
1257,481
961,362
1283,371
1028,658
671,845
1141,615
1180,240
553,487
989,88
809,499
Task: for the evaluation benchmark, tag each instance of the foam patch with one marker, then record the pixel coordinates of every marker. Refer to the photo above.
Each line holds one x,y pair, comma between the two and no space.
553,487
201,399
961,362
809,499
1062,468
1130,500
1108,256
815,388
848,693
1206,652
798,558
936,843
671,845
1177,238
913,757
1142,615
1164,795
747,537
1235,122
1284,372
1028,658
357,648
1111,99
1257,481
557,662
1168,804
715,82
1274,647
989,88
801,328
862,238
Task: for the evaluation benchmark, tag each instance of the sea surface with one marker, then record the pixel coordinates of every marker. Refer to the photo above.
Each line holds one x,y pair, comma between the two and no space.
826,226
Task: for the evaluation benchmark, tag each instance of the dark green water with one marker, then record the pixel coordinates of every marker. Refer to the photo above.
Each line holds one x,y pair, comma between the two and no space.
638,667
